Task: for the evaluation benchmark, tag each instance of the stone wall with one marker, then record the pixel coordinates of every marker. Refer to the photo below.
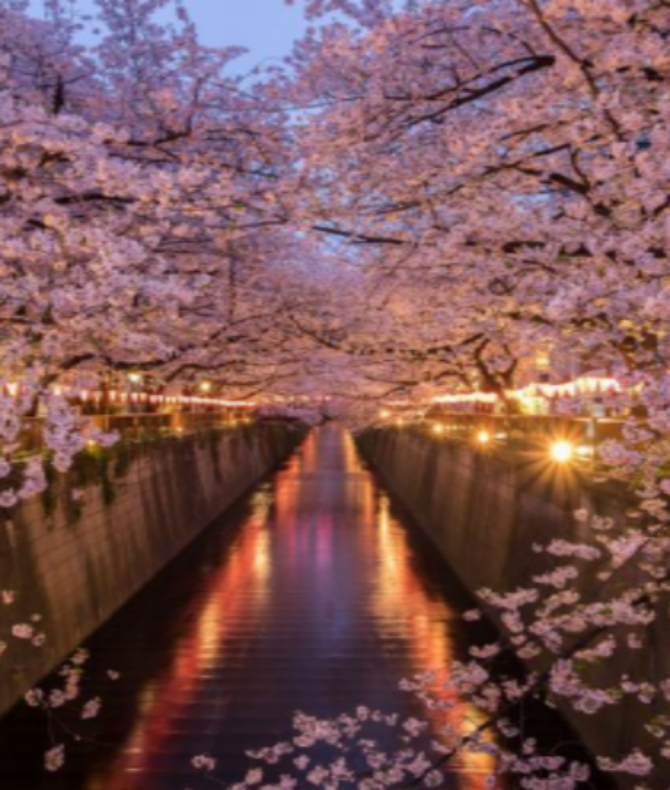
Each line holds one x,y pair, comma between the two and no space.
484,510
74,563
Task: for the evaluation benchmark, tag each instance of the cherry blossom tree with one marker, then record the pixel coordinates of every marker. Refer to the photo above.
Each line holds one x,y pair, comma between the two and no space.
498,170
141,217
427,195
496,173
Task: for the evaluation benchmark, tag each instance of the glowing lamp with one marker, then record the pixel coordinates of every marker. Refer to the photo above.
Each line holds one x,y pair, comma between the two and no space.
438,428
483,437
562,451
384,414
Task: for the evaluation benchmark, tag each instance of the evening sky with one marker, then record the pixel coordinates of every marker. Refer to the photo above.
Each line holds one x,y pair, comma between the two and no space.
266,27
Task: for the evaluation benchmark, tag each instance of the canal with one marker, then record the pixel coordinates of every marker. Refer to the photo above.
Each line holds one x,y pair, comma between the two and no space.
311,595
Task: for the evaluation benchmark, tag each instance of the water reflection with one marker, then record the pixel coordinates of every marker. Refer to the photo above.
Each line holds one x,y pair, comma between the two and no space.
315,598
403,599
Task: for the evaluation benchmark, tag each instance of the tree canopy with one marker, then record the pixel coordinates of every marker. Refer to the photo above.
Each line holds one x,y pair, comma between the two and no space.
422,197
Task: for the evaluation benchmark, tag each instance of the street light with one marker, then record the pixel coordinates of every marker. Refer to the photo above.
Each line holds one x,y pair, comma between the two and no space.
562,451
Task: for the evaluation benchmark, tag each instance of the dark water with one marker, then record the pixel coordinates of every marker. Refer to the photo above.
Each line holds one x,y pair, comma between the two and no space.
310,595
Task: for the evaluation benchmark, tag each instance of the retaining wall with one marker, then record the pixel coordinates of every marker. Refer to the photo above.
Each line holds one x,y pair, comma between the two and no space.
74,563
485,510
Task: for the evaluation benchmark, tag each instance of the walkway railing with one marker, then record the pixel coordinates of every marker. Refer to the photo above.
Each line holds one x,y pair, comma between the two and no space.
133,427
566,438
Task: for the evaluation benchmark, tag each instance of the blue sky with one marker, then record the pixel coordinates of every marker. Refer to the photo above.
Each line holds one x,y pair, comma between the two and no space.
266,27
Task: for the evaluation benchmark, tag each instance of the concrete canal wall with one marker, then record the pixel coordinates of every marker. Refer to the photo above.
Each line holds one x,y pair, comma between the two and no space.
74,563
485,510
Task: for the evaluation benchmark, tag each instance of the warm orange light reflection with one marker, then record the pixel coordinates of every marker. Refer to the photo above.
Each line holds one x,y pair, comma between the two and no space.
402,596
201,649
321,528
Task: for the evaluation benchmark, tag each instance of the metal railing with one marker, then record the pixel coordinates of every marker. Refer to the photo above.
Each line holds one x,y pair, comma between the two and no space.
529,432
131,427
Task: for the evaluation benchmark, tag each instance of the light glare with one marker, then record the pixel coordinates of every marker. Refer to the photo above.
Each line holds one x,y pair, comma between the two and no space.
562,451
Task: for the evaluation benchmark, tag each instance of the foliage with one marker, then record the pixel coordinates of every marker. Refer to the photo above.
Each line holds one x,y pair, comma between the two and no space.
428,194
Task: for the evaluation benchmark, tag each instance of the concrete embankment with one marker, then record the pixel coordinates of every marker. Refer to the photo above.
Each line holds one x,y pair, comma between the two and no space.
486,510
73,562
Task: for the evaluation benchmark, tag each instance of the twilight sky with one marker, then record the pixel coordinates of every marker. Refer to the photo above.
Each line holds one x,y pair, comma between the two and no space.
266,27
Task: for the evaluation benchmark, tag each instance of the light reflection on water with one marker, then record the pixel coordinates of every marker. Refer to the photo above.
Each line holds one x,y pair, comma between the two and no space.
401,590
318,600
